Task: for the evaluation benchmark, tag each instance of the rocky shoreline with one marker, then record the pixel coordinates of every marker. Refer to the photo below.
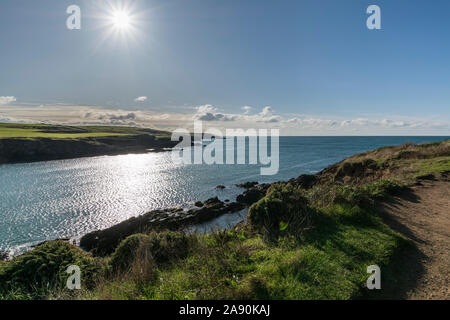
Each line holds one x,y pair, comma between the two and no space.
104,242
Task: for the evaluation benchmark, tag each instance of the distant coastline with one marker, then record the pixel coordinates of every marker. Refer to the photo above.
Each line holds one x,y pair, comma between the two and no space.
31,143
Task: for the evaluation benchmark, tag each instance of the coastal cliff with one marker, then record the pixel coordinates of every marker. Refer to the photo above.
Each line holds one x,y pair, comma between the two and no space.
21,143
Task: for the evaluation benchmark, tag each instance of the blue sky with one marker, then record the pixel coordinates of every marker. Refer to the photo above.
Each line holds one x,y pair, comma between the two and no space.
313,62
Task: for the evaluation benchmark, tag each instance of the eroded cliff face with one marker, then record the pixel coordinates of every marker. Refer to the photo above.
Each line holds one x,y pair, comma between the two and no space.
43,149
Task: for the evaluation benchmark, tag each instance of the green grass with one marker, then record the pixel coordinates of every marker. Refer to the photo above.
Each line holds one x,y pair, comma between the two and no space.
436,165
328,263
33,131
407,171
326,260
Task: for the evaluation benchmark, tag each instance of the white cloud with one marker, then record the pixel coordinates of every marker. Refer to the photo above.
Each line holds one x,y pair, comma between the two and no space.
265,116
206,108
266,111
141,99
247,109
208,112
7,100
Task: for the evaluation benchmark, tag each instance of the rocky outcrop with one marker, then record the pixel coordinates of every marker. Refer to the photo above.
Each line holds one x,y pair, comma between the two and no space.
104,242
43,149
253,194
247,185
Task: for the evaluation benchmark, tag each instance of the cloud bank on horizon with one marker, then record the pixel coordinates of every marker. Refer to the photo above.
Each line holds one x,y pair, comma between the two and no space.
267,117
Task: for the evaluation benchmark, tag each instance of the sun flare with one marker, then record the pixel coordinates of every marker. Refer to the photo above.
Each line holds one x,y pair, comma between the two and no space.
121,20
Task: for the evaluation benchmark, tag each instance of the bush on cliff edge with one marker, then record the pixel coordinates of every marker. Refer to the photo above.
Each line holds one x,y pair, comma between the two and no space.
283,209
44,268
159,247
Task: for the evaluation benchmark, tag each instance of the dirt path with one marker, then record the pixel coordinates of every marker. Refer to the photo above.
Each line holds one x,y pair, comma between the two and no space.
423,215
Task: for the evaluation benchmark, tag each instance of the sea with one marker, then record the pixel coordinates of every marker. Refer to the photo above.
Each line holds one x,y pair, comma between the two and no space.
68,198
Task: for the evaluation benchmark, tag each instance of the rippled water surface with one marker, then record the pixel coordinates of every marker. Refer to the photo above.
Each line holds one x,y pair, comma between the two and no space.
68,198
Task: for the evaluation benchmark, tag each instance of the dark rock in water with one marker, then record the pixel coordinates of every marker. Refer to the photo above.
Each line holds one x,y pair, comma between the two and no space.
253,194
199,204
305,181
250,196
227,200
104,242
212,201
234,207
247,185
220,187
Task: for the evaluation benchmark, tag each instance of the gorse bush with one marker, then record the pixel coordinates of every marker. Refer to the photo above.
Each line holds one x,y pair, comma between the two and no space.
44,268
122,258
160,248
284,208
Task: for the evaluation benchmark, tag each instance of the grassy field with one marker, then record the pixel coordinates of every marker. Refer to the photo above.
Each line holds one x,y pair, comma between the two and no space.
33,131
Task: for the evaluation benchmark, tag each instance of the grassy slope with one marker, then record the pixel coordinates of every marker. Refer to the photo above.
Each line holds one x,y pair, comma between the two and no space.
328,262
401,163
298,244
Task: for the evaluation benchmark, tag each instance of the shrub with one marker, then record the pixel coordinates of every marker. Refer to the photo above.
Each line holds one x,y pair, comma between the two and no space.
160,248
45,266
123,256
284,208
383,188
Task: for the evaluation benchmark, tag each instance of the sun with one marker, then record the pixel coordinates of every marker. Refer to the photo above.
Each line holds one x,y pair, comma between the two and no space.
121,24
121,20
